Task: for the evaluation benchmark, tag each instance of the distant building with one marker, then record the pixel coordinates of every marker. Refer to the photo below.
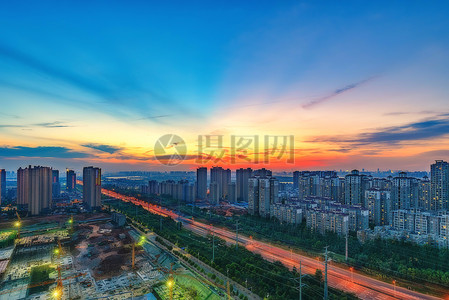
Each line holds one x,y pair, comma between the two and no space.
424,190
70,180
296,175
324,221
2,185
378,203
287,213
92,187
216,183
355,186
34,189
232,192
264,197
201,183
253,195
329,187
262,193
214,193
439,178
242,177
56,186
404,192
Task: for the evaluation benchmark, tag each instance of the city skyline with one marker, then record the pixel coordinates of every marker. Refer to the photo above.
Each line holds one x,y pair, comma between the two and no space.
357,85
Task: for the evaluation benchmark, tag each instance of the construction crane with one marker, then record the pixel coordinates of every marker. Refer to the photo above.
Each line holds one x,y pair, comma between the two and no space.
133,258
58,291
18,224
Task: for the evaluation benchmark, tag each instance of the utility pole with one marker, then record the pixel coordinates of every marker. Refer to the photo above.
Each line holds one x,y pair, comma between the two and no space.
237,234
346,253
301,285
160,216
228,290
213,246
325,274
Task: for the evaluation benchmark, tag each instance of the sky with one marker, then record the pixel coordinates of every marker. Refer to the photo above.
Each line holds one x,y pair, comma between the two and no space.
356,84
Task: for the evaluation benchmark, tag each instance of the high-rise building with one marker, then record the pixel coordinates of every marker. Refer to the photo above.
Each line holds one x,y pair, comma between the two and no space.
2,185
262,193
404,192
34,189
242,176
214,193
439,185
232,192
92,187
253,195
71,180
223,178
378,203
296,175
274,190
264,197
355,186
216,179
262,172
424,193
329,187
201,183
56,186
225,181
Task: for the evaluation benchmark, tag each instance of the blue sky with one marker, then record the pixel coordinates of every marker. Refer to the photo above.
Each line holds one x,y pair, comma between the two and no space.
150,68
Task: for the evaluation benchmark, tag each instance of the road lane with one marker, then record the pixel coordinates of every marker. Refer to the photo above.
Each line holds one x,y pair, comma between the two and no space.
363,286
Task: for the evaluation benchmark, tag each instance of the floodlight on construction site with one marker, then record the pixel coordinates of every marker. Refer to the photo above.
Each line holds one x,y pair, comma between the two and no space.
56,293
170,283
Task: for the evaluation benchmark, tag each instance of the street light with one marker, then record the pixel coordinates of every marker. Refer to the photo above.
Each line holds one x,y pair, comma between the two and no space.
352,274
394,287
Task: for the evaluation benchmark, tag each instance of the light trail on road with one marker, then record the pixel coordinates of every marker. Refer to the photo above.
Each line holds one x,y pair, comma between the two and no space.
362,286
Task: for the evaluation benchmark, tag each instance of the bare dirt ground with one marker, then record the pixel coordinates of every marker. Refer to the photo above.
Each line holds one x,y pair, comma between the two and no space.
101,249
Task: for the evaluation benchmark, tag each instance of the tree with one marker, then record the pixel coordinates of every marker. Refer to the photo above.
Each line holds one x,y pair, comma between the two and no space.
319,275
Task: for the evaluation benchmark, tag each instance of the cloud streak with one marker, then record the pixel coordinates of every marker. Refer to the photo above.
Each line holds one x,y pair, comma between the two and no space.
56,124
126,95
47,152
415,131
103,148
335,93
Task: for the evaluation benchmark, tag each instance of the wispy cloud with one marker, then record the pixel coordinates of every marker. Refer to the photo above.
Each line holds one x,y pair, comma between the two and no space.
104,148
52,71
53,152
9,115
335,93
56,124
123,97
400,113
415,131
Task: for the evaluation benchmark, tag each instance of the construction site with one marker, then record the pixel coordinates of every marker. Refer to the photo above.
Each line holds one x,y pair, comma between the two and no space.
91,257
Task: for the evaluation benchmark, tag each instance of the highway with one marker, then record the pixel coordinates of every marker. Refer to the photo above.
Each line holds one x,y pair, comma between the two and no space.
362,286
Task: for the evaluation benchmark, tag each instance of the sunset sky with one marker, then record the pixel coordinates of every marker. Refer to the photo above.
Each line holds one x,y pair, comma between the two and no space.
358,84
